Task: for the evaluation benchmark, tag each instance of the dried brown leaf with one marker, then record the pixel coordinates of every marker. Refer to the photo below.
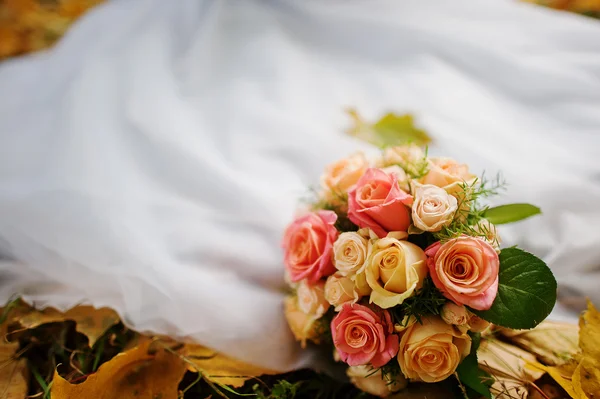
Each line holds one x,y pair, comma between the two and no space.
507,364
145,372
553,343
89,321
219,368
14,375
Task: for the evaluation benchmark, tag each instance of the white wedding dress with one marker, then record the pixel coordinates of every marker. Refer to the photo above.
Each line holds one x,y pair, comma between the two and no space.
151,160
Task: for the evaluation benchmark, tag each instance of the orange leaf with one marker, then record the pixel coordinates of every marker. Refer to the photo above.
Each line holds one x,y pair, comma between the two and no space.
140,373
220,368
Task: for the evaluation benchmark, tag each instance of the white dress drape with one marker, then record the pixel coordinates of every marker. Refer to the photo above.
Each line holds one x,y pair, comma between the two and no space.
151,160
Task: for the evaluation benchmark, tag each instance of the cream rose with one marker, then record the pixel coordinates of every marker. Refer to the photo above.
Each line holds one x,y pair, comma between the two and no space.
394,270
410,157
341,289
454,314
303,326
311,299
350,251
371,381
433,208
431,351
343,174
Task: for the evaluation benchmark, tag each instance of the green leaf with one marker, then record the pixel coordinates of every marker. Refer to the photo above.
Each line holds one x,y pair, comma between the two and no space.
526,291
391,130
472,376
469,373
510,213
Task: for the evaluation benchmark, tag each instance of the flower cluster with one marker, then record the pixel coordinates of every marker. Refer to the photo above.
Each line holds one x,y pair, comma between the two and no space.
384,234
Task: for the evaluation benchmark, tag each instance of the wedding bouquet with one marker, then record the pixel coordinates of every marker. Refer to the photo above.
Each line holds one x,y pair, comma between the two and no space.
398,265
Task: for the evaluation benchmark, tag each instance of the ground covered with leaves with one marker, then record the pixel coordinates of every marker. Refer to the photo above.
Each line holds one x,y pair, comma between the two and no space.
90,353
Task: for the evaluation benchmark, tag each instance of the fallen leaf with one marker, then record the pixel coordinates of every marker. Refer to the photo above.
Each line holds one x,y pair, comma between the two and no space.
145,372
14,375
558,375
589,342
219,368
576,380
390,130
553,343
507,364
89,321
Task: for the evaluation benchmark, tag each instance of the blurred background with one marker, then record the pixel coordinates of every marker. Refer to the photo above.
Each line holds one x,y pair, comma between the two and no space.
32,25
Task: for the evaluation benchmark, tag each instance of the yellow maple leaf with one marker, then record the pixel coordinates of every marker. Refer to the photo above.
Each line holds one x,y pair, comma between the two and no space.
587,375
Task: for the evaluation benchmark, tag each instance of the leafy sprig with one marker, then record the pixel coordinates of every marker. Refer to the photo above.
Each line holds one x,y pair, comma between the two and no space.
471,210
428,300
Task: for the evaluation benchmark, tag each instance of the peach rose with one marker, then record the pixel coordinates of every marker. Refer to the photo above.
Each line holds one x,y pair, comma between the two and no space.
363,335
431,351
311,298
454,314
374,382
377,202
343,174
409,157
433,208
401,176
341,289
350,252
303,326
308,244
477,324
395,270
446,172
465,270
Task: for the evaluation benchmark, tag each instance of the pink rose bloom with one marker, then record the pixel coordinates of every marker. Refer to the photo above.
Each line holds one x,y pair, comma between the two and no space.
377,202
362,336
308,244
465,270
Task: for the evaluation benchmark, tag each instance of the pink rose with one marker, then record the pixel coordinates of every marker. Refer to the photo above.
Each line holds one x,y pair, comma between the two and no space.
377,202
308,244
363,336
465,270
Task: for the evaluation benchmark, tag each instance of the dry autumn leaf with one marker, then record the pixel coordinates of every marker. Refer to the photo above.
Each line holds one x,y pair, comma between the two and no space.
31,25
219,368
14,375
580,377
507,364
145,372
553,343
89,321
587,373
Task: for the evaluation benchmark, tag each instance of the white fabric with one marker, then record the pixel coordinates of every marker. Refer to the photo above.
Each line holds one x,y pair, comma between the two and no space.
152,159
